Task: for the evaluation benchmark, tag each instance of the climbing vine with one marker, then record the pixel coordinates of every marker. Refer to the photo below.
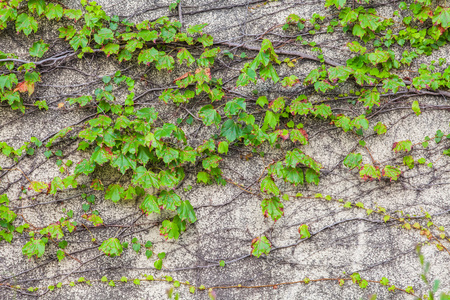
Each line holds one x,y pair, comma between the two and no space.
151,155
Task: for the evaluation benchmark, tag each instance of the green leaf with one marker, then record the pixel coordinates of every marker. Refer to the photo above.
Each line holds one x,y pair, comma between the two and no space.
103,35
54,11
409,161
402,146
148,35
186,212
85,167
124,162
203,177
391,172
380,128
184,54
234,106
230,130
150,205
304,231
272,207
269,186
169,200
223,147
37,5
339,73
416,108
353,160
74,14
169,230
370,98
442,17
148,56
146,179
7,81
26,23
113,192
312,176
369,172
148,114
111,247
34,247
261,245
38,49
271,119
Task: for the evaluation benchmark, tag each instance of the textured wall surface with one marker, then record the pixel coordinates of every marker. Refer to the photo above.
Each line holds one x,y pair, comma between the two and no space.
346,240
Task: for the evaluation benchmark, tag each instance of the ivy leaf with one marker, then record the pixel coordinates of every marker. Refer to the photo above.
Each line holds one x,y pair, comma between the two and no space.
85,167
111,49
260,245
442,17
272,207
312,176
378,57
299,135
150,205
344,123
234,106
360,122
34,247
391,172
322,110
304,232
148,56
402,146
380,128
111,247
100,155
169,230
223,147
146,179
148,35
369,172
370,98
169,200
193,29
185,55
54,231
353,160
206,40
230,130
38,49
186,211
74,14
269,186
113,192
339,73
300,106
26,23
211,162
54,11
124,162
148,114
269,71
393,84
103,35
203,177
294,175
262,101
369,21
416,108
338,3
37,5
7,81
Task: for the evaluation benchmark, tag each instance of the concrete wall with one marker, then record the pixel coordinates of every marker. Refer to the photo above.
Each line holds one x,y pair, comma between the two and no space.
228,218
